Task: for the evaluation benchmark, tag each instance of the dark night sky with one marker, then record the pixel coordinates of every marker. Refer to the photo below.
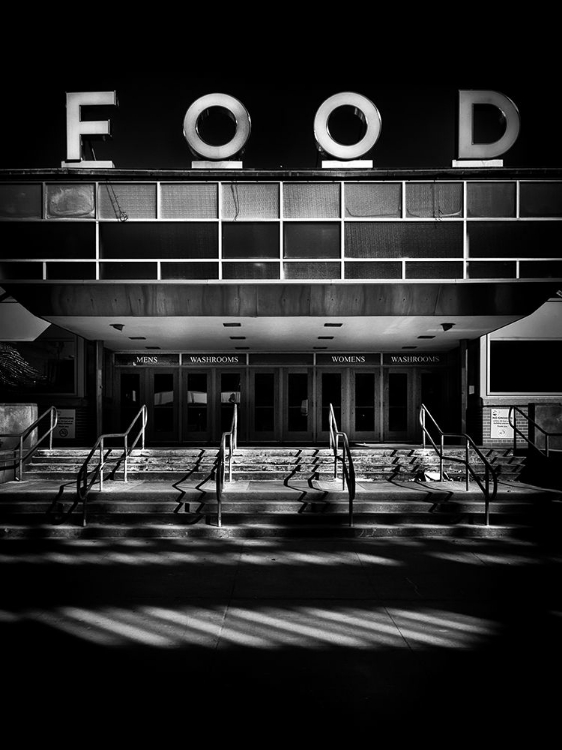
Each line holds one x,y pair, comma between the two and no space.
417,102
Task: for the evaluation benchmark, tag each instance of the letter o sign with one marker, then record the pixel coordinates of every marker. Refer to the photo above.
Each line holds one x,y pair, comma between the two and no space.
364,109
236,111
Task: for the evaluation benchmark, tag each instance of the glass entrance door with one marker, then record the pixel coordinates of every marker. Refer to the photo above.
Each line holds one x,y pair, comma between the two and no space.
162,402
399,417
365,422
197,419
230,388
297,406
130,390
330,391
264,406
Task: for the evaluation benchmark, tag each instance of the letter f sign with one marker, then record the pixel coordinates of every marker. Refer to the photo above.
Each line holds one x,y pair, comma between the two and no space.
76,128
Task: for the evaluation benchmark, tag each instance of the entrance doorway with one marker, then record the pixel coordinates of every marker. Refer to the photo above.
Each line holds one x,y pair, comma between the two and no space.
280,405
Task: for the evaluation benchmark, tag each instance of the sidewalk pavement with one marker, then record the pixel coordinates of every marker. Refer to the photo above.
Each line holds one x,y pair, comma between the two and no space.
263,641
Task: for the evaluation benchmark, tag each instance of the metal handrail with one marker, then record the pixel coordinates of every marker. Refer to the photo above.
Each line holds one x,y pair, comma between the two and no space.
229,438
490,473
18,463
512,419
87,477
348,469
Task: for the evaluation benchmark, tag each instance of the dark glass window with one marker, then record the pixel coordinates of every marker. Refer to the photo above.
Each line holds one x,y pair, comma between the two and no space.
20,201
71,271
494,199
397,402
41,239
431,269
189,270
391,239
371,269
491,269
248,240
364,401
159,240
518,239
315,270
128,271
250,270
311,240
525,366
21,270
540,199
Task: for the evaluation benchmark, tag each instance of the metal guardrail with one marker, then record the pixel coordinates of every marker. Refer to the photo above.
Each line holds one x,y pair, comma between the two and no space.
86,477
346,459
490,477
18,463
514,411
228,444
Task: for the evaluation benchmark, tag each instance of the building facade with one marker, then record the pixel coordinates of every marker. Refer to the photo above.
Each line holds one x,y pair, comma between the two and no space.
371,290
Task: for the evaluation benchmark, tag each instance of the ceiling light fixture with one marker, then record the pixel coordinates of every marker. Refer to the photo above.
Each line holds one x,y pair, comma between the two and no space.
117,326
333,325
447,326
232,325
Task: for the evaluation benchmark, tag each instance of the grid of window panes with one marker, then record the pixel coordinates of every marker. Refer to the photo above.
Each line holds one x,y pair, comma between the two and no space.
292,230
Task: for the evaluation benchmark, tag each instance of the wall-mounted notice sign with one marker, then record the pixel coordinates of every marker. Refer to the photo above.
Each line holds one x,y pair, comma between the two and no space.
500,427
66,424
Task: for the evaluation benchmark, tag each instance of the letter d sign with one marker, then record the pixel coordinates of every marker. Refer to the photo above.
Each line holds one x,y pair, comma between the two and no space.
470,150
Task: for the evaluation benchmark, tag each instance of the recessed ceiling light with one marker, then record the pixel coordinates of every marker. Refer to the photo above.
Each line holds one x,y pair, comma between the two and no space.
232,325
319,347
333,325
117,326
236,338
326,337
241,347
409,347
426,337
152,347
137,338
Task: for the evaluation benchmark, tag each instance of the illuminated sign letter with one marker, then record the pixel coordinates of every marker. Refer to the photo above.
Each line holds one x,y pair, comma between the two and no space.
470,150
235,110
364,109
76,128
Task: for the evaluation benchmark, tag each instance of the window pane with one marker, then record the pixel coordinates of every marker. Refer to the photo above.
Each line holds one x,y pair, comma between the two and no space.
250,201
315,270
20,201
250,240
197,399
525,366
70,201
311,201
490,199
366,200
250,270
159,240
314,240
136,201
437,200
540,199
391,239
193,201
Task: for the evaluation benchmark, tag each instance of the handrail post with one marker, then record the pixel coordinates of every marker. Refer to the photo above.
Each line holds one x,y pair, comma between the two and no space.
20,460
51,430
125,446
100,477
466,455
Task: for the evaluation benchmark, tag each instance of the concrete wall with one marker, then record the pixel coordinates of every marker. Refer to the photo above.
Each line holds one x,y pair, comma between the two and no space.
14,419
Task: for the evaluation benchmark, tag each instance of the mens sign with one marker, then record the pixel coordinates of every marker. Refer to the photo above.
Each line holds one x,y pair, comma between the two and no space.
365,110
